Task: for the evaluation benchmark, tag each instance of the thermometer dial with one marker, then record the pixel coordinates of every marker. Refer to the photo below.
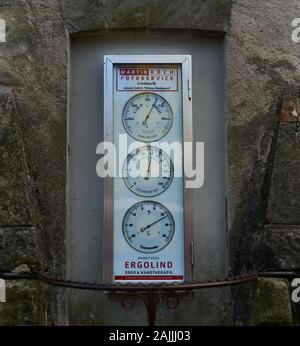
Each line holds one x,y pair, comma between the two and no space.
148,226
147,117
148,171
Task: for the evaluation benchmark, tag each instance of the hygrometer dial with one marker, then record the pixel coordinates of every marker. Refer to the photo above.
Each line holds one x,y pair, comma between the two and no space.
147,117
148,171
148,226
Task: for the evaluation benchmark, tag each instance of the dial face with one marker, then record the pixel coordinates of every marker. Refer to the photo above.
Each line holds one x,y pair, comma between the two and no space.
148,226
148,171
147,117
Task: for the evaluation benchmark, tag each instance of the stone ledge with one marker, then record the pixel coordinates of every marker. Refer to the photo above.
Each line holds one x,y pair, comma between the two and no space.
272,303
24,304
83,15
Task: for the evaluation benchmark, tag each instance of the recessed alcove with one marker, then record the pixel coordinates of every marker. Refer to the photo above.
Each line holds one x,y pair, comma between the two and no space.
85,188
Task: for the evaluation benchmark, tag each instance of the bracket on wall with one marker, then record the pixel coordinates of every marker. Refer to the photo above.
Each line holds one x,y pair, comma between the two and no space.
151,300
151,296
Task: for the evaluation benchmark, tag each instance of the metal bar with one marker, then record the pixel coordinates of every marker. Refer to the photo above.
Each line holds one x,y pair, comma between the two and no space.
147,288
44,277
149,294
19,276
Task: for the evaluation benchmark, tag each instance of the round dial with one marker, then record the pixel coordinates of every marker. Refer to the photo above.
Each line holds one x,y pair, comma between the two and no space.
148,226
148,171
147,117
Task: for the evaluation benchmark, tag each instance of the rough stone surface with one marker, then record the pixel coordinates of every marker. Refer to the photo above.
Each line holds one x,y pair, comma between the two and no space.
24,304
33,65
277,247
172,14
243,296
290,112
284,201
13,195
18,29
16,248
263,66
36,52
272,303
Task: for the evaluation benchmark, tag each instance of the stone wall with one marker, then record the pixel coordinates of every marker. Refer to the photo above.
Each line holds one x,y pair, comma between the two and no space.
33,74
273,239
263,66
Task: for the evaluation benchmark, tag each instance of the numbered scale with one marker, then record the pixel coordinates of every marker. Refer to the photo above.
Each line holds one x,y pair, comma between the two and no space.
148,226
155,171
144,235
147,117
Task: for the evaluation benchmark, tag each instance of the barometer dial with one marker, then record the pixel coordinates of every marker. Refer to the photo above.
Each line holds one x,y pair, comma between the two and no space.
148,226
147,117
148,171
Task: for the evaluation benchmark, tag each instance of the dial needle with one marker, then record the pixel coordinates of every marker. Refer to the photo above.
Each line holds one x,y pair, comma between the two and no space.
145,121
153,223
149,160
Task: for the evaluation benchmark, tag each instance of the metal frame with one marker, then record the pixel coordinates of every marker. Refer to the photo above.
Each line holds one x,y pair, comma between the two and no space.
108,222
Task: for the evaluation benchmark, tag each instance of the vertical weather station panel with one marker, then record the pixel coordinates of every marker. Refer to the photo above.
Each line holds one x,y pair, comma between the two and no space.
147,233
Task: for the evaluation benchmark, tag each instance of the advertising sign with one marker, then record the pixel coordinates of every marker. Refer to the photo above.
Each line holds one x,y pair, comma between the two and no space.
148,218
147,78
